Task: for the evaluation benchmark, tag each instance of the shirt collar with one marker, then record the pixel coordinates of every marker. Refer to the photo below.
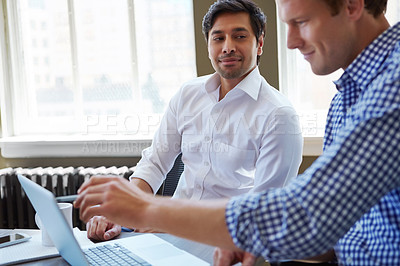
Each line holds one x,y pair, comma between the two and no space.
251,84
367,65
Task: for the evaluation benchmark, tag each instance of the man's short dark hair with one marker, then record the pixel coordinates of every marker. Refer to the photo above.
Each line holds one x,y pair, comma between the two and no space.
374,7
258,19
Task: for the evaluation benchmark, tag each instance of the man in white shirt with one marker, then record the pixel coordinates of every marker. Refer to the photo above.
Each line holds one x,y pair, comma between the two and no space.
225,125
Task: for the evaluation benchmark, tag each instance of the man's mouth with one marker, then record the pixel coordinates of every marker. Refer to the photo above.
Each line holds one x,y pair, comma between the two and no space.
229,60
308,55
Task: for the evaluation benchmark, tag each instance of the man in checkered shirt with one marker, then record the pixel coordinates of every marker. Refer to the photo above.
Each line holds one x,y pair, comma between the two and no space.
349,199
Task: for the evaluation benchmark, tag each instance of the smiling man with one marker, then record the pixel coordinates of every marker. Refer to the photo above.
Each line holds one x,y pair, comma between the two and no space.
236,133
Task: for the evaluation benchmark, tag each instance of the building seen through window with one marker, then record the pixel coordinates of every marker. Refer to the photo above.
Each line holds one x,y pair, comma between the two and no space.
114,62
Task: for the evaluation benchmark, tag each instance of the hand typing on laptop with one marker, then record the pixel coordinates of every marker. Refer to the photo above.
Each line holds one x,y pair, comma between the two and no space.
115,199
100,229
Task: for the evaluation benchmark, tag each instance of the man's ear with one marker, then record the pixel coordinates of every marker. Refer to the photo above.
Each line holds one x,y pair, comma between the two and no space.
260,45
354,8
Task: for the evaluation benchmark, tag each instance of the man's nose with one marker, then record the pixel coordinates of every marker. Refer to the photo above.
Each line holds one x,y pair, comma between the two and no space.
294,40
229,46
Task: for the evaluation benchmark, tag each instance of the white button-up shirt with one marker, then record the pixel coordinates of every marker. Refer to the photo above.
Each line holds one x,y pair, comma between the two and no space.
248,141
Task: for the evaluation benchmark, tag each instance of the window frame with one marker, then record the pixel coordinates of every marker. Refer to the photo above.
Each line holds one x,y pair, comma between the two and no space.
57,145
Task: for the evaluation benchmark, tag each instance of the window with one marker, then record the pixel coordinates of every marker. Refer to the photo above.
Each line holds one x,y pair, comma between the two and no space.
309,93
92,67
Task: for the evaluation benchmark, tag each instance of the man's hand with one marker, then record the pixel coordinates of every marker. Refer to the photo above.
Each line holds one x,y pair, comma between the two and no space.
125,204
114,198
224,257
100,229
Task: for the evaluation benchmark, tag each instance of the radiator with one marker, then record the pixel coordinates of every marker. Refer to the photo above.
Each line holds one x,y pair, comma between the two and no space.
16,210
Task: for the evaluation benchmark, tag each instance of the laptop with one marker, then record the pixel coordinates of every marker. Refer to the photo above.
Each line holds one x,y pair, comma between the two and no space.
146,249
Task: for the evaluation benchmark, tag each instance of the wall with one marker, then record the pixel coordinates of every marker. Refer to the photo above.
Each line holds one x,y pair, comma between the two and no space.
268,68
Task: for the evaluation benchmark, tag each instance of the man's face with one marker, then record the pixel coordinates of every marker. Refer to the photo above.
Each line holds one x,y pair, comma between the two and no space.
326,41
232,45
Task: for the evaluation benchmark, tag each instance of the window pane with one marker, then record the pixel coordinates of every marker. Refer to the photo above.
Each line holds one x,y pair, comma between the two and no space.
165,48
104,57
82,69
47,58
393,11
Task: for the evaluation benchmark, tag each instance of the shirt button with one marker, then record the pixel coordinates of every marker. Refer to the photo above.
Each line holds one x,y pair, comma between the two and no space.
207,138
198,187
349,260
206,164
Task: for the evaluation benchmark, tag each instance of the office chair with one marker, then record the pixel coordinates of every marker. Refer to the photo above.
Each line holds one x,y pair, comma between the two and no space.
172,179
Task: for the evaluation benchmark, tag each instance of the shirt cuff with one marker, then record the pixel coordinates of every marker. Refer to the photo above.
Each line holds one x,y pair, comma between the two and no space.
239,220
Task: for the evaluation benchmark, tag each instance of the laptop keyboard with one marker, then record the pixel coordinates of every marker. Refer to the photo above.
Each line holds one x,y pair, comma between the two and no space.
113,255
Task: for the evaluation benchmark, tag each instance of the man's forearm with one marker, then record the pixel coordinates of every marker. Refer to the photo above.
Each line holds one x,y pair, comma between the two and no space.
128,205
199,221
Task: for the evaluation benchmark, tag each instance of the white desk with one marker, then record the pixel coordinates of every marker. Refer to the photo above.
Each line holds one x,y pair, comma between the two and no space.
202,251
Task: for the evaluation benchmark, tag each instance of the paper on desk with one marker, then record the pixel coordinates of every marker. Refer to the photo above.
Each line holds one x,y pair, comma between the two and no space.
33,248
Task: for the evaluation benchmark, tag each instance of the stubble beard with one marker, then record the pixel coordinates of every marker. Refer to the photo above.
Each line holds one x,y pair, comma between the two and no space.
234,74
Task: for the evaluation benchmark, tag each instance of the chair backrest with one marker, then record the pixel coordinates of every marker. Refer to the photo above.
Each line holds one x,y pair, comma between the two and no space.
172,179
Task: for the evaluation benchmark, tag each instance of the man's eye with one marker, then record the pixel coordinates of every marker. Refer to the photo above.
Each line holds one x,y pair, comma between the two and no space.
218,38
301,22
241,37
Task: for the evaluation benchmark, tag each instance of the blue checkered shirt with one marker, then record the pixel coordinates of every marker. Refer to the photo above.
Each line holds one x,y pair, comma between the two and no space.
349,198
